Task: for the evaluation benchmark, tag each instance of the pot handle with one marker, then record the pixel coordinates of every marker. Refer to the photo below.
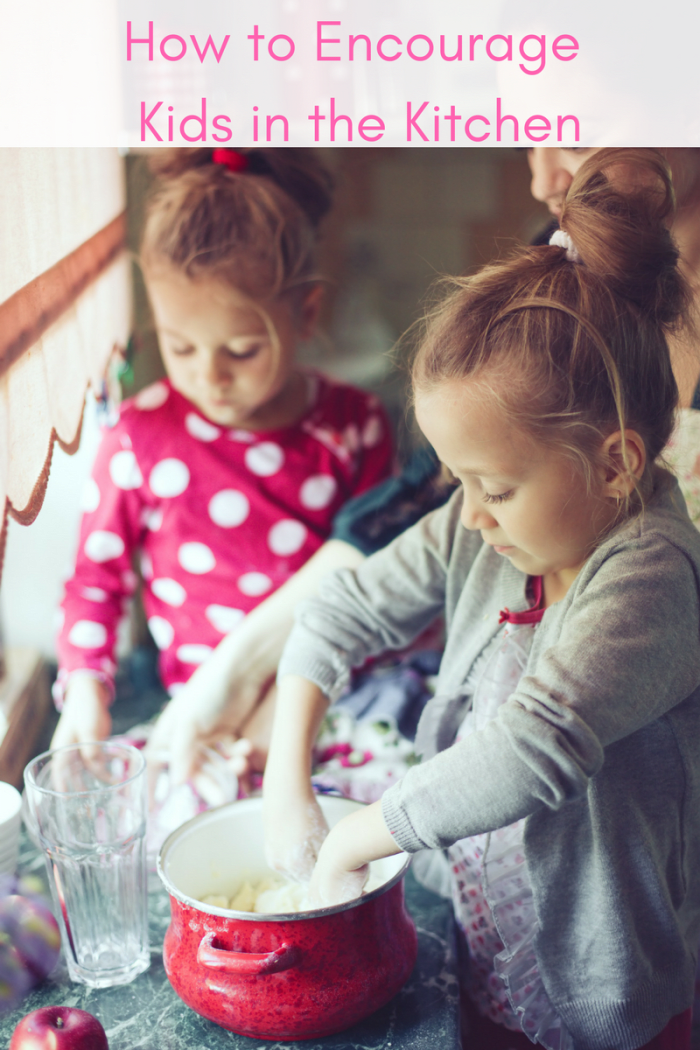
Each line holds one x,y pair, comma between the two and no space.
281,958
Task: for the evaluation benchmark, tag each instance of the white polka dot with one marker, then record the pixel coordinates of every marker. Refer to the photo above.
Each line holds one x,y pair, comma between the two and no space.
161,630
91,496
254,583
129,580
176,687
124,470
86,634
244,436
146,566
94,594
351,438
200,429
152,518
223,618
169,591
196,558
152,397
193,654
103,546
372,432
228,508
264,459
318,491
108,665
169,478
286,537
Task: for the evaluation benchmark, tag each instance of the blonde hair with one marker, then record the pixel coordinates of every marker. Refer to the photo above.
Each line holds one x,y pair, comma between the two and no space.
575,345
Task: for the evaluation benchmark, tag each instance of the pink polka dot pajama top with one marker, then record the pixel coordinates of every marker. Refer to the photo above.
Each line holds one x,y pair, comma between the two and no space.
220,518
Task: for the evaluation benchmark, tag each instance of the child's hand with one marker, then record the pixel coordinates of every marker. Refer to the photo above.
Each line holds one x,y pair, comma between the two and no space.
294,832
212,709
333,881
343,863
85,713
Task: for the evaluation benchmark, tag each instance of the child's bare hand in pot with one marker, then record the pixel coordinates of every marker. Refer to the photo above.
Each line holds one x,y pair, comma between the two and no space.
295,829
342,869
334,881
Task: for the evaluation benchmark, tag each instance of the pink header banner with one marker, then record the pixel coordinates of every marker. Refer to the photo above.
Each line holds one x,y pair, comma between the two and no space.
349,73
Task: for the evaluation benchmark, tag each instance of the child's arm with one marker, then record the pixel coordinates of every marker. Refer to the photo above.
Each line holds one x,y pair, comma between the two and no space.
385,603
295,828
228,688
618,654
344,858
85,714
294,824
225,690
622,654
96,593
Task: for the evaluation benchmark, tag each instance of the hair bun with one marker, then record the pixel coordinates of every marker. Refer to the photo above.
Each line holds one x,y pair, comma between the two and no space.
296,171
300,173
617,213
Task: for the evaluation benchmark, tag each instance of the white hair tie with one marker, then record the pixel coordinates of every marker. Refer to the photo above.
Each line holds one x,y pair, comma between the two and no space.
561,239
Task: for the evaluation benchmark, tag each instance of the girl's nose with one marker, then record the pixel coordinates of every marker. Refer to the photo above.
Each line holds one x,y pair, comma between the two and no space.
550,179
217,368
475,515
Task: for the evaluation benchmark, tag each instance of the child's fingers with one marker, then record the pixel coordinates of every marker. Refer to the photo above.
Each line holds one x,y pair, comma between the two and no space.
330,886
185,759
233,749
239,763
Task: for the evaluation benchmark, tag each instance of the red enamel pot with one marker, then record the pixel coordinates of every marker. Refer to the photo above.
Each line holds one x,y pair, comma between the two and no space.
287,977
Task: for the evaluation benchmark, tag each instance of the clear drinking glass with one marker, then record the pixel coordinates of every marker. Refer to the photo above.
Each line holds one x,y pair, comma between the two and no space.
88,803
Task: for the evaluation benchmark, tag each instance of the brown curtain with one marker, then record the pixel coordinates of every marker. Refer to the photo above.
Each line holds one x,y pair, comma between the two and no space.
61,311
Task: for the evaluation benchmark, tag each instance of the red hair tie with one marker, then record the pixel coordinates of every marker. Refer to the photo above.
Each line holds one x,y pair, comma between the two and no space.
231,159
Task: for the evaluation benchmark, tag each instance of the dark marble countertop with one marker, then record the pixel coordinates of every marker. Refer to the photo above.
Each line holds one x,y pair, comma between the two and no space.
147,1015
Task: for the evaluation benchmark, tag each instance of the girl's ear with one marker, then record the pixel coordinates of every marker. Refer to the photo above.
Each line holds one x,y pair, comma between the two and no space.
310,310
624,459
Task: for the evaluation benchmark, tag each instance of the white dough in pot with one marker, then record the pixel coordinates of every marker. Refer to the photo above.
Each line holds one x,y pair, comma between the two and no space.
272,895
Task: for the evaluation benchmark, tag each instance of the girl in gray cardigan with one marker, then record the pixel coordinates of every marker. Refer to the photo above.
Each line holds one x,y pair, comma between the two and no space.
561,755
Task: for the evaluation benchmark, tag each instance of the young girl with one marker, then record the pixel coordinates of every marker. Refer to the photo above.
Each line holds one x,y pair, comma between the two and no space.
226,476
562,752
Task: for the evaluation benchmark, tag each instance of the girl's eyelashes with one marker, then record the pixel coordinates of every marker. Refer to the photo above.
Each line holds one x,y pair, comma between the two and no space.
244,355
501,497
486,497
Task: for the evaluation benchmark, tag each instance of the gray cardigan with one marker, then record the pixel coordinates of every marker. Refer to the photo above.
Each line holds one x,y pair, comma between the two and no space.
599,747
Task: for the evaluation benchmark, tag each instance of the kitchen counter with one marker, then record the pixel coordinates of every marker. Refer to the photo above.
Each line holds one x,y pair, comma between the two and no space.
147,1015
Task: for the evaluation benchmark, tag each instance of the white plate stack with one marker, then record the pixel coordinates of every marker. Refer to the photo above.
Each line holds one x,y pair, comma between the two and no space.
10,820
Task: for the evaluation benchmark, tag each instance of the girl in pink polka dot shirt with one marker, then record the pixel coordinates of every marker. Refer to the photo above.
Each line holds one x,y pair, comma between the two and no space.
223,479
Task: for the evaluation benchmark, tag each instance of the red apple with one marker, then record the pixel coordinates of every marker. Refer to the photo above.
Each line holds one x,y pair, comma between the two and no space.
59,1028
